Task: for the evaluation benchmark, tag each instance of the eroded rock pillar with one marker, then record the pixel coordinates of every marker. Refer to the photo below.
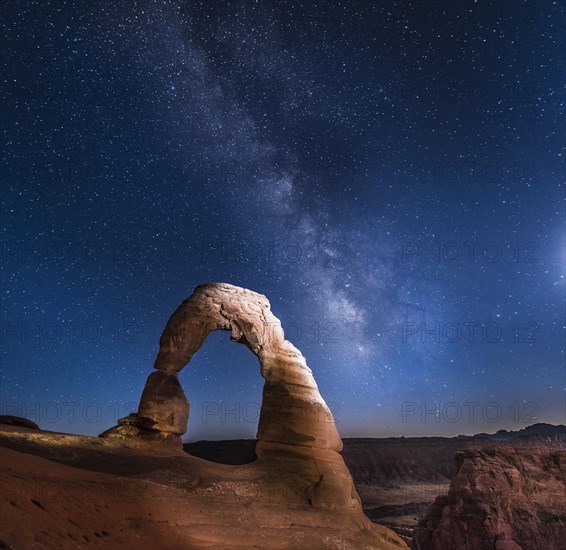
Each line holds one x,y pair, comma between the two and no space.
163,404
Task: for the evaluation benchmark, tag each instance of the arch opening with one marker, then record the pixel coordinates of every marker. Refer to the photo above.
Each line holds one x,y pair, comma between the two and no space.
224,386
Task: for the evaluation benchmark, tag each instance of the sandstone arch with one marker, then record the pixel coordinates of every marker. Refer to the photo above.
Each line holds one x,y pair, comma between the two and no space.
296,432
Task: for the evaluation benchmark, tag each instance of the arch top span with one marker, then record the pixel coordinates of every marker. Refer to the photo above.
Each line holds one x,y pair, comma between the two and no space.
219,306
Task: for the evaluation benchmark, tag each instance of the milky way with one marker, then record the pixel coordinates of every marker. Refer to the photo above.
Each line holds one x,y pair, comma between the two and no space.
389,174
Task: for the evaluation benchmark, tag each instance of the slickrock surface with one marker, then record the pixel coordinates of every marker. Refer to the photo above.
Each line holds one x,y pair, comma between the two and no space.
61,491
18,421
501,498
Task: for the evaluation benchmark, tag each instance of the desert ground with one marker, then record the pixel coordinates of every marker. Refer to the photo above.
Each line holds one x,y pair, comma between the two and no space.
68,491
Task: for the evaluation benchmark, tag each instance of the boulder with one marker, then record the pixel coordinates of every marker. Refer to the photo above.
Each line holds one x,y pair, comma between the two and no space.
18,421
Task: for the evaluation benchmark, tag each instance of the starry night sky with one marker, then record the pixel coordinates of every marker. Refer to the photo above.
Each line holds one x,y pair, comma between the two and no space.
390,174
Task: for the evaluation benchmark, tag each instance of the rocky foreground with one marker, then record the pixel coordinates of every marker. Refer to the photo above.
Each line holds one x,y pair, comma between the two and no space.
66,491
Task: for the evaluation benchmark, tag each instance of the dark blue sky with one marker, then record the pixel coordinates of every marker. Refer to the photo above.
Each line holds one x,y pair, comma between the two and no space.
390,174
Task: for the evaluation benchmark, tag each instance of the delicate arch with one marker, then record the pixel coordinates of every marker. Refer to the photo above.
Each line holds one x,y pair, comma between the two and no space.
297,440
293,411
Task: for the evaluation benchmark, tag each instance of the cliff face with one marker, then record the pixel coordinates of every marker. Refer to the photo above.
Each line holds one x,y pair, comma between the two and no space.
387,462
501,498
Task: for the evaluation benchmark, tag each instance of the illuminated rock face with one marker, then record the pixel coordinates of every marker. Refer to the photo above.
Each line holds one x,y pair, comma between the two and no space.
296,432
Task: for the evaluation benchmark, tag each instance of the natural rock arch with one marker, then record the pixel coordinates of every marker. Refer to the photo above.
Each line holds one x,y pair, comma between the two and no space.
296,431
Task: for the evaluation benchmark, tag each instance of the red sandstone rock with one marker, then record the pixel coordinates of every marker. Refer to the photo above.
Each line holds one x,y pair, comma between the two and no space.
18,421
501,498
297,442
63,491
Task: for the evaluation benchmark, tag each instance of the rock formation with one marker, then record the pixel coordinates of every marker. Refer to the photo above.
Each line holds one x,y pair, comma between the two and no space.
18,421
296,431
501,498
